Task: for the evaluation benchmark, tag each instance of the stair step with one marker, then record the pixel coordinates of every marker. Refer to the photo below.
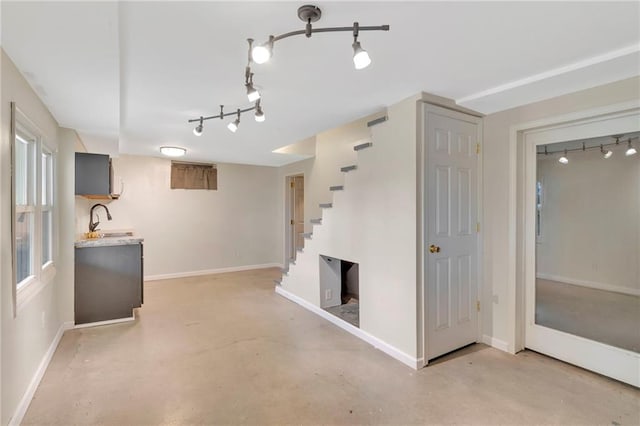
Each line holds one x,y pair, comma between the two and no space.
300,250
316,221
307,235
284,271
346,169
336,188
278,281
326,205
362,146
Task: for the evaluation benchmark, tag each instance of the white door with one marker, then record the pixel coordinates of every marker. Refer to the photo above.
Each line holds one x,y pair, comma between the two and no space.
451,238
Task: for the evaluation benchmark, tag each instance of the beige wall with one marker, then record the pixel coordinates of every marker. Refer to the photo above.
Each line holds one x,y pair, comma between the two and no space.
591,220
497,181
382,191
25,338
189,231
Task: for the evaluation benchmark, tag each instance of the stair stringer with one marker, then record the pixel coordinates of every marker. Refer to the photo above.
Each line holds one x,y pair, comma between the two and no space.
373,223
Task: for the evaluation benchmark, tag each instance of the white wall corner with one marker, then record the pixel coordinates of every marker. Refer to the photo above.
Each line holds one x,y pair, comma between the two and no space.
496,343
408,360
24,403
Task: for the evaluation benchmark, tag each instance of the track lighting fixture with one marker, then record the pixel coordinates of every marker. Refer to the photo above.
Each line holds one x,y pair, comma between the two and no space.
563,159
233,126
605,154
259,54
630,150
310,13
199,128
605,151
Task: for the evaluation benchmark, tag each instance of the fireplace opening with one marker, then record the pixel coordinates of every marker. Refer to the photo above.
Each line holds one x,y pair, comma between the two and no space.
340,288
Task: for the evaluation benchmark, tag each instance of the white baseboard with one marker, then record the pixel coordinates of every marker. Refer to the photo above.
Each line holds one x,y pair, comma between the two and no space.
495,343
107,322
590,284
363,335
210,271
24,403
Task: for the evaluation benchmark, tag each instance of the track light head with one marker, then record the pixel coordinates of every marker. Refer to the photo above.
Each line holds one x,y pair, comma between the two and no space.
605,154
262,52
564,159
199,128
259,116
630,150
361,58
233,126
252,93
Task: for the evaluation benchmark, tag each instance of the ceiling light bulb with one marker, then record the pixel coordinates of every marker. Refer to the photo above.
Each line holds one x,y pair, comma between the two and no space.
260,54
172,151
631,150
233,126
198,130
606,154
259,115
252,93
361,58
564,159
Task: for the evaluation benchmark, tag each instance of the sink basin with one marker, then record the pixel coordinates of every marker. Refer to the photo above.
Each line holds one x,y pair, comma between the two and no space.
116,234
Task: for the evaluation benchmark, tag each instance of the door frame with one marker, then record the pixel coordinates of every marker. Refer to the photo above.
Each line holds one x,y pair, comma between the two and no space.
422,237
604,121
288,203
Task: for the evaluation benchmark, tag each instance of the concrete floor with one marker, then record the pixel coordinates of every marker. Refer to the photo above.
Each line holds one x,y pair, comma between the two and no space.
224,349
603,316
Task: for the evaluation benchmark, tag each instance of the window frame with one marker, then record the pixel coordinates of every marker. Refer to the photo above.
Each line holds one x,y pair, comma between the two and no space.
41,274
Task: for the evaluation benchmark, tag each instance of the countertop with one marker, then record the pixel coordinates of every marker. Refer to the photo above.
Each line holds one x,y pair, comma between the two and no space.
82,242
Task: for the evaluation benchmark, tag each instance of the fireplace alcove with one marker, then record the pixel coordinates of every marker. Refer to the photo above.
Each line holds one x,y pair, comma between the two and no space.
339,288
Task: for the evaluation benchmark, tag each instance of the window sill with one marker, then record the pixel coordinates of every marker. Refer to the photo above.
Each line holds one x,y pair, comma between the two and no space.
27,292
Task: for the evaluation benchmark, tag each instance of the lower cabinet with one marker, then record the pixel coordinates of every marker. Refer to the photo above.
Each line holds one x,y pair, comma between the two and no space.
108,282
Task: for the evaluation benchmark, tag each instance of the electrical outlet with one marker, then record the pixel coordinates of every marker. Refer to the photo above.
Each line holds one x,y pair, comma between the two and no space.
327,294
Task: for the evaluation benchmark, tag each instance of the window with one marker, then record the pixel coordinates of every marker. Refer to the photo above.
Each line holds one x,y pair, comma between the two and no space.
33,219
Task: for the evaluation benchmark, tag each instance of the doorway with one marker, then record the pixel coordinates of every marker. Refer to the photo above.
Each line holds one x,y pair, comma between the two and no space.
576,255
451,226
295,216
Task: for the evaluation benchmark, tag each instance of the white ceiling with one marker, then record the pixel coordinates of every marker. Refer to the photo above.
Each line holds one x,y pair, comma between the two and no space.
133,73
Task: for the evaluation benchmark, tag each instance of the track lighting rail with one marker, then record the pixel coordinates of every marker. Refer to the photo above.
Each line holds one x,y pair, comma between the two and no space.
587,148
223,114
355,27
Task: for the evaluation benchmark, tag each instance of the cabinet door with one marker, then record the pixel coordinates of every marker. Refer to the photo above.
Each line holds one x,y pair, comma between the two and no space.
92,174
107,282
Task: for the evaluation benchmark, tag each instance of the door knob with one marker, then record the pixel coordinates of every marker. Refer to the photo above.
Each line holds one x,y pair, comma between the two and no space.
434,248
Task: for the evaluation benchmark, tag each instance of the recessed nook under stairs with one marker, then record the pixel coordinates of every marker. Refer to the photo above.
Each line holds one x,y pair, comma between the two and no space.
339,289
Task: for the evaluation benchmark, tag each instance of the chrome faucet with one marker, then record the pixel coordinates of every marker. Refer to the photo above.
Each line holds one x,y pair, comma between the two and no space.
93,226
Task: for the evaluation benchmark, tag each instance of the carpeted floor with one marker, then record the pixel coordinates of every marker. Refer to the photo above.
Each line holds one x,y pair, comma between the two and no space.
603,316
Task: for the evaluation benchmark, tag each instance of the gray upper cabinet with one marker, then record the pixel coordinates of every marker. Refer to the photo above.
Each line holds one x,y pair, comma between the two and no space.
92,174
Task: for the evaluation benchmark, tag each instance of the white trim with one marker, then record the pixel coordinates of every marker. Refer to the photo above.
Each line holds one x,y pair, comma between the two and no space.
590,284
211,271
629,50
393,352
495,343
515,276
107,322
24,403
